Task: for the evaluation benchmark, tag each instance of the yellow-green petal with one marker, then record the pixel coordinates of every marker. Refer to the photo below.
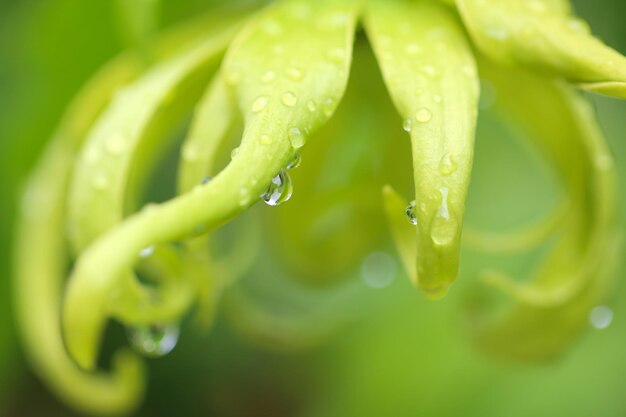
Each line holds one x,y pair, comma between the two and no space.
430,72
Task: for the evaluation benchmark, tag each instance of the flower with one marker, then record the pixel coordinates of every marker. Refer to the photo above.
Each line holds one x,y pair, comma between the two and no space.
281,73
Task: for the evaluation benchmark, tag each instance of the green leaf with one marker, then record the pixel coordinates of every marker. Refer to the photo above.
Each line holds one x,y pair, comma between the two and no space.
544,35
430,72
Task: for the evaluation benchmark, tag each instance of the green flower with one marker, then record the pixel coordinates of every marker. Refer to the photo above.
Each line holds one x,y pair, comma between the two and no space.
274,78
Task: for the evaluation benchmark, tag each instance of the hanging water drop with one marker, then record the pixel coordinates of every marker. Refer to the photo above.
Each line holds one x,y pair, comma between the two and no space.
295,162
296,138
279,191
407,125
410,212
155,340
447,165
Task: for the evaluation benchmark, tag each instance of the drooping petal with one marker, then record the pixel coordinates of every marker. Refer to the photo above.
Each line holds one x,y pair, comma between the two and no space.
320,40
552,308
430,72
546,36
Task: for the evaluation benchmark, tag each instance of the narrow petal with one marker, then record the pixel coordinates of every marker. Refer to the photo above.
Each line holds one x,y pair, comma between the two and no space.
546,36
430,72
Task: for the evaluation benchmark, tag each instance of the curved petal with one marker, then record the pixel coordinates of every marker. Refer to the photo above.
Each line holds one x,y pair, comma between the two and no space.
430,72
546,36
272,132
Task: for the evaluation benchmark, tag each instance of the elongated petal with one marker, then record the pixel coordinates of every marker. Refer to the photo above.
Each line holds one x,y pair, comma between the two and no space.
429,70
545,35
285,118
551,309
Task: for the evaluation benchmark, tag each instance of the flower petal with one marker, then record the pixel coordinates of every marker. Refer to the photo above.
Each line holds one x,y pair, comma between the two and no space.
546,36
430,72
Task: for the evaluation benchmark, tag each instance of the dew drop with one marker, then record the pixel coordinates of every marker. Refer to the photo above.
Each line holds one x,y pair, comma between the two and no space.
296,138
234,153
295,74
116,145
423,115
289,99
407,125
155,340
146,252
328,106
279,190
443,227
244,196
410,212
259,104
430,70
447,165
600,317
266,140
295,162
268,77
206,180
437,98
378,270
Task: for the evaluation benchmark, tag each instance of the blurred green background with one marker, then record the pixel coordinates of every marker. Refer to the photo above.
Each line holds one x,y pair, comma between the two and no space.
405,356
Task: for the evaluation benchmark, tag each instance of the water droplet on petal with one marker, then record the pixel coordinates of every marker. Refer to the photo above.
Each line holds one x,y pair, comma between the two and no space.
447,165
155,340
410,212
234,153
328,106
378,270
268,77
600,317
407,125
116,145
289,99
206,180
244,196
279,190
423,115
259,104
266,140
295,162
296,138
295,74
311,106
437,98
430,70
146,252
444,227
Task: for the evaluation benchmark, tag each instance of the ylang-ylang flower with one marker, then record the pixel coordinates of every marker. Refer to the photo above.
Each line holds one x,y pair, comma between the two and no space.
273,78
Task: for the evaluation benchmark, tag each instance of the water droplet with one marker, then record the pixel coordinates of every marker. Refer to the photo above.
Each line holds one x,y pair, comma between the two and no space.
234,153
146,252
407,125
311,106
289,99
279,190
295,74
296,138
266,140
101,181
295,162
244,196
337,55
410,212
600,317
259,104
378,270
206,180
154,341
328,107
443,228
579,26
412,49
447,165
430,70
268,77
116,145
437,98
423,115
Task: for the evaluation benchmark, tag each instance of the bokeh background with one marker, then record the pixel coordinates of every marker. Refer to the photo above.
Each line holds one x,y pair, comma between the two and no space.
403,356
